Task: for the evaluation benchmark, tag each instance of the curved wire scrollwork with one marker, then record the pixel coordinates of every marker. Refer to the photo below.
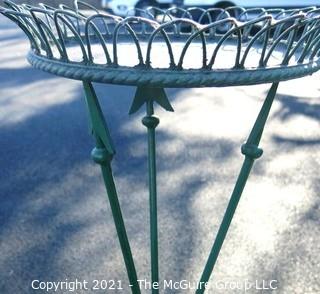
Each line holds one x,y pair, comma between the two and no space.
52,31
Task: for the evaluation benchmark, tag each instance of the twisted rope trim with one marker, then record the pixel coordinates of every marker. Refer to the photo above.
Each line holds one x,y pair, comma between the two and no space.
166,78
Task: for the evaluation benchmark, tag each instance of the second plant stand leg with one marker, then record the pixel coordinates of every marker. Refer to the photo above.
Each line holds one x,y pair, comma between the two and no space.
147,96
151,122
251,151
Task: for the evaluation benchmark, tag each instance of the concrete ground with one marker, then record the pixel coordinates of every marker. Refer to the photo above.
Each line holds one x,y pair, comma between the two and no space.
55,220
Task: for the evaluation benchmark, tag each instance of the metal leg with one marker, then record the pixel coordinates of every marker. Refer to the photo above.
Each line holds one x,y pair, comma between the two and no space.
251,151
151,122
148,95
103,154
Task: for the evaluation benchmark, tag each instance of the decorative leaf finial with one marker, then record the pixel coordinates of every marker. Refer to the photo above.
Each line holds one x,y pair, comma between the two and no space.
145,94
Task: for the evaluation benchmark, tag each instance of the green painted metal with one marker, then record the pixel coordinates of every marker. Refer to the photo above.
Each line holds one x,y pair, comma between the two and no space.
147,96
251,151
52,32
151,122
103,154
97,122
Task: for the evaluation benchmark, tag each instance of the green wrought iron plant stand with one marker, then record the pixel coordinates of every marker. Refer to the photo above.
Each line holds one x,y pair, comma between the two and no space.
268,46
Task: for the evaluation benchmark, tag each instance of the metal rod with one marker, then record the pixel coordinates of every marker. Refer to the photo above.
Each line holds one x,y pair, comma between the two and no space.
232,206
120,227
251,151
151,123
102,155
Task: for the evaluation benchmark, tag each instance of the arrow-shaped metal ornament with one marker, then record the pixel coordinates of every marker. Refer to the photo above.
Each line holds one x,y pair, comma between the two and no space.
98,123
145,94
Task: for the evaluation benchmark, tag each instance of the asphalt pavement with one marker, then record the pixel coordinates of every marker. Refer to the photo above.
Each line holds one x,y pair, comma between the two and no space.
55,220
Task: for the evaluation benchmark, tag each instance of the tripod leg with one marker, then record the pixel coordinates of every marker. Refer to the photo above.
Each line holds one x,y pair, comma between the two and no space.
251,151
103,154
